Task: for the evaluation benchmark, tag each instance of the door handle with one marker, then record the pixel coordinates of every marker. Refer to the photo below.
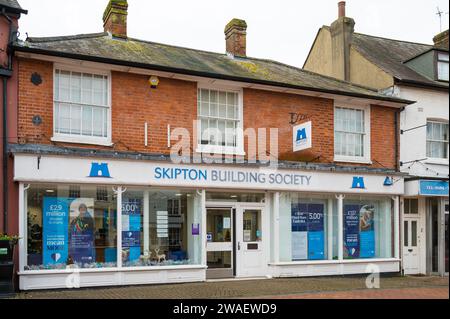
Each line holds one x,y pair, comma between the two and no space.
410,250
239,246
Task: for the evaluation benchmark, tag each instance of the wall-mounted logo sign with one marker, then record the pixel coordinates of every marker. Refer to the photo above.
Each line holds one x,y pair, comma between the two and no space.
358,183
389,181
100,170
302,137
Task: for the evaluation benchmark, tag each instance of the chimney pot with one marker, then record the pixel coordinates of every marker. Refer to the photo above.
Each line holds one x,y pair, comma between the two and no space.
341,7
236,37
115,18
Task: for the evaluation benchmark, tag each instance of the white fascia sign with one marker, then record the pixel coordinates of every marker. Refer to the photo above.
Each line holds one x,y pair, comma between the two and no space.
302,137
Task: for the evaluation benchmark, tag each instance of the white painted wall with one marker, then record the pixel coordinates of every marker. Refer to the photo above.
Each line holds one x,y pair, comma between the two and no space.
431,104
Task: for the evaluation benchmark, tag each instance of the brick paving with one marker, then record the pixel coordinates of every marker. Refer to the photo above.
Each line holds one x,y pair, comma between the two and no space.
292,288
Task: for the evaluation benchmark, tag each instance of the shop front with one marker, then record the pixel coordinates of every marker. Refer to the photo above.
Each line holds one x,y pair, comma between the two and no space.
88,222
425,227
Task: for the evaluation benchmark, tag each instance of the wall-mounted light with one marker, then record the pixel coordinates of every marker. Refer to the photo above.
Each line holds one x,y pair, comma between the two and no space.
154,81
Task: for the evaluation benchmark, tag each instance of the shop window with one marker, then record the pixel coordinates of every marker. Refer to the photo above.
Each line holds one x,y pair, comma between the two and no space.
437,140
219,122
160,228
352,134
368,228
81,107
303,228
70,231
442,66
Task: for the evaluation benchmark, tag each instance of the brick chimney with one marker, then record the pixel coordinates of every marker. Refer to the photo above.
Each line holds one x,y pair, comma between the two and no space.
441,40
115,18
341,39
236,37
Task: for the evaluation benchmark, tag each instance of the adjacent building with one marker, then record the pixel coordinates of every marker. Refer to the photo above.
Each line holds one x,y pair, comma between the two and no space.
138,162
418,72
10,12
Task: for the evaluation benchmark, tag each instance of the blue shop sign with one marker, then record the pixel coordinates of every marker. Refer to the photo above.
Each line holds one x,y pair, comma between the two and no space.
433,188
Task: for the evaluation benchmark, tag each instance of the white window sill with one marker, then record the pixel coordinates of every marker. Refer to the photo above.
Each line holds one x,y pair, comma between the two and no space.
357,160
82,140
114,269
219,150
437,161
334,261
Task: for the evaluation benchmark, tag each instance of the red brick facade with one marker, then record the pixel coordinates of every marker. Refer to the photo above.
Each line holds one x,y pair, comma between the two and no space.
174,103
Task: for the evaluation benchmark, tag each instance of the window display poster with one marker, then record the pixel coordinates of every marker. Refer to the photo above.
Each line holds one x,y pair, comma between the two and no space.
82,230
367,231
351,231
131,229
299,222
55,235
316,234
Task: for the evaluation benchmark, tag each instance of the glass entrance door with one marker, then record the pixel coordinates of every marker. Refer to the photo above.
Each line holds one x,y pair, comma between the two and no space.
219,247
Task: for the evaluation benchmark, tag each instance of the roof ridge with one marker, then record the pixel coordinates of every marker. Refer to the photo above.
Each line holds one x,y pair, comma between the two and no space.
390,39
66,37
175,46
320,75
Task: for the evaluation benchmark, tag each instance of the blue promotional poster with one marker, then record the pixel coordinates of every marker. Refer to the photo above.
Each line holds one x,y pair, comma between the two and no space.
308,237
131,229
82,231
351,231
55,235
316,234
299,222
367,231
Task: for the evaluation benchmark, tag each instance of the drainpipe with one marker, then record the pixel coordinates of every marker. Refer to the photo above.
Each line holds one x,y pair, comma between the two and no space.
397,138
5,130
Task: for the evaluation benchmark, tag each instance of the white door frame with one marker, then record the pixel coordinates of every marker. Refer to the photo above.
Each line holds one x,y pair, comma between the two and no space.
240,245
265,222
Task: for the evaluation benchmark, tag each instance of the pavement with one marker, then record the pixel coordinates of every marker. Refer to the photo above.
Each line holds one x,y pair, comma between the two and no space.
288,288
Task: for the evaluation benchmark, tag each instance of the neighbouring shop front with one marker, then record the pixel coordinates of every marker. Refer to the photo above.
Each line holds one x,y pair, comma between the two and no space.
100,222
425,227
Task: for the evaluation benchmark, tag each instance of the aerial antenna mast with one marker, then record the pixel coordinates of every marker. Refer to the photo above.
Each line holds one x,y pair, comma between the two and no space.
440,13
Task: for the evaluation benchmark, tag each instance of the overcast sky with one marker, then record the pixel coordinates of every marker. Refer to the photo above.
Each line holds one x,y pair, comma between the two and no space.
282,30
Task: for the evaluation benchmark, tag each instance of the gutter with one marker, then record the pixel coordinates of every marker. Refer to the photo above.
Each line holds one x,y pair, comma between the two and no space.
204,74
419,84
13,9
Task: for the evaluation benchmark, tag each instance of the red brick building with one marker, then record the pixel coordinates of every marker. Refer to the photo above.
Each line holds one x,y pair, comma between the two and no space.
101,116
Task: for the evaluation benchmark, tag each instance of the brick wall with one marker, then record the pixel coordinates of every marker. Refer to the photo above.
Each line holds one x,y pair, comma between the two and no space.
175,103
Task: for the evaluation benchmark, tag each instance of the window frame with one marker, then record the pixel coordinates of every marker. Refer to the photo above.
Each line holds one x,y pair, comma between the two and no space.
237,150
80,139
436,64
367,158
436,160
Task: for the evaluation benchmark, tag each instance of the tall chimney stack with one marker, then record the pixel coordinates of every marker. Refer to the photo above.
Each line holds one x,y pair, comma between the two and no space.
236,37
441,40
115,18
341,39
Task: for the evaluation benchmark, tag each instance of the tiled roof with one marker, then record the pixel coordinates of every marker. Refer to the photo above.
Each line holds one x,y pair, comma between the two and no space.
101,47
390,55
12,4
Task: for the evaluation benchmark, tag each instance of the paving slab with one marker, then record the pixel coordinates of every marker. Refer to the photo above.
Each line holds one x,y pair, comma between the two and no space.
286,288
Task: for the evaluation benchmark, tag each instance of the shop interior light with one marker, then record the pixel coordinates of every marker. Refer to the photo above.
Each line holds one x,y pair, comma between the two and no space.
234,196
50,191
